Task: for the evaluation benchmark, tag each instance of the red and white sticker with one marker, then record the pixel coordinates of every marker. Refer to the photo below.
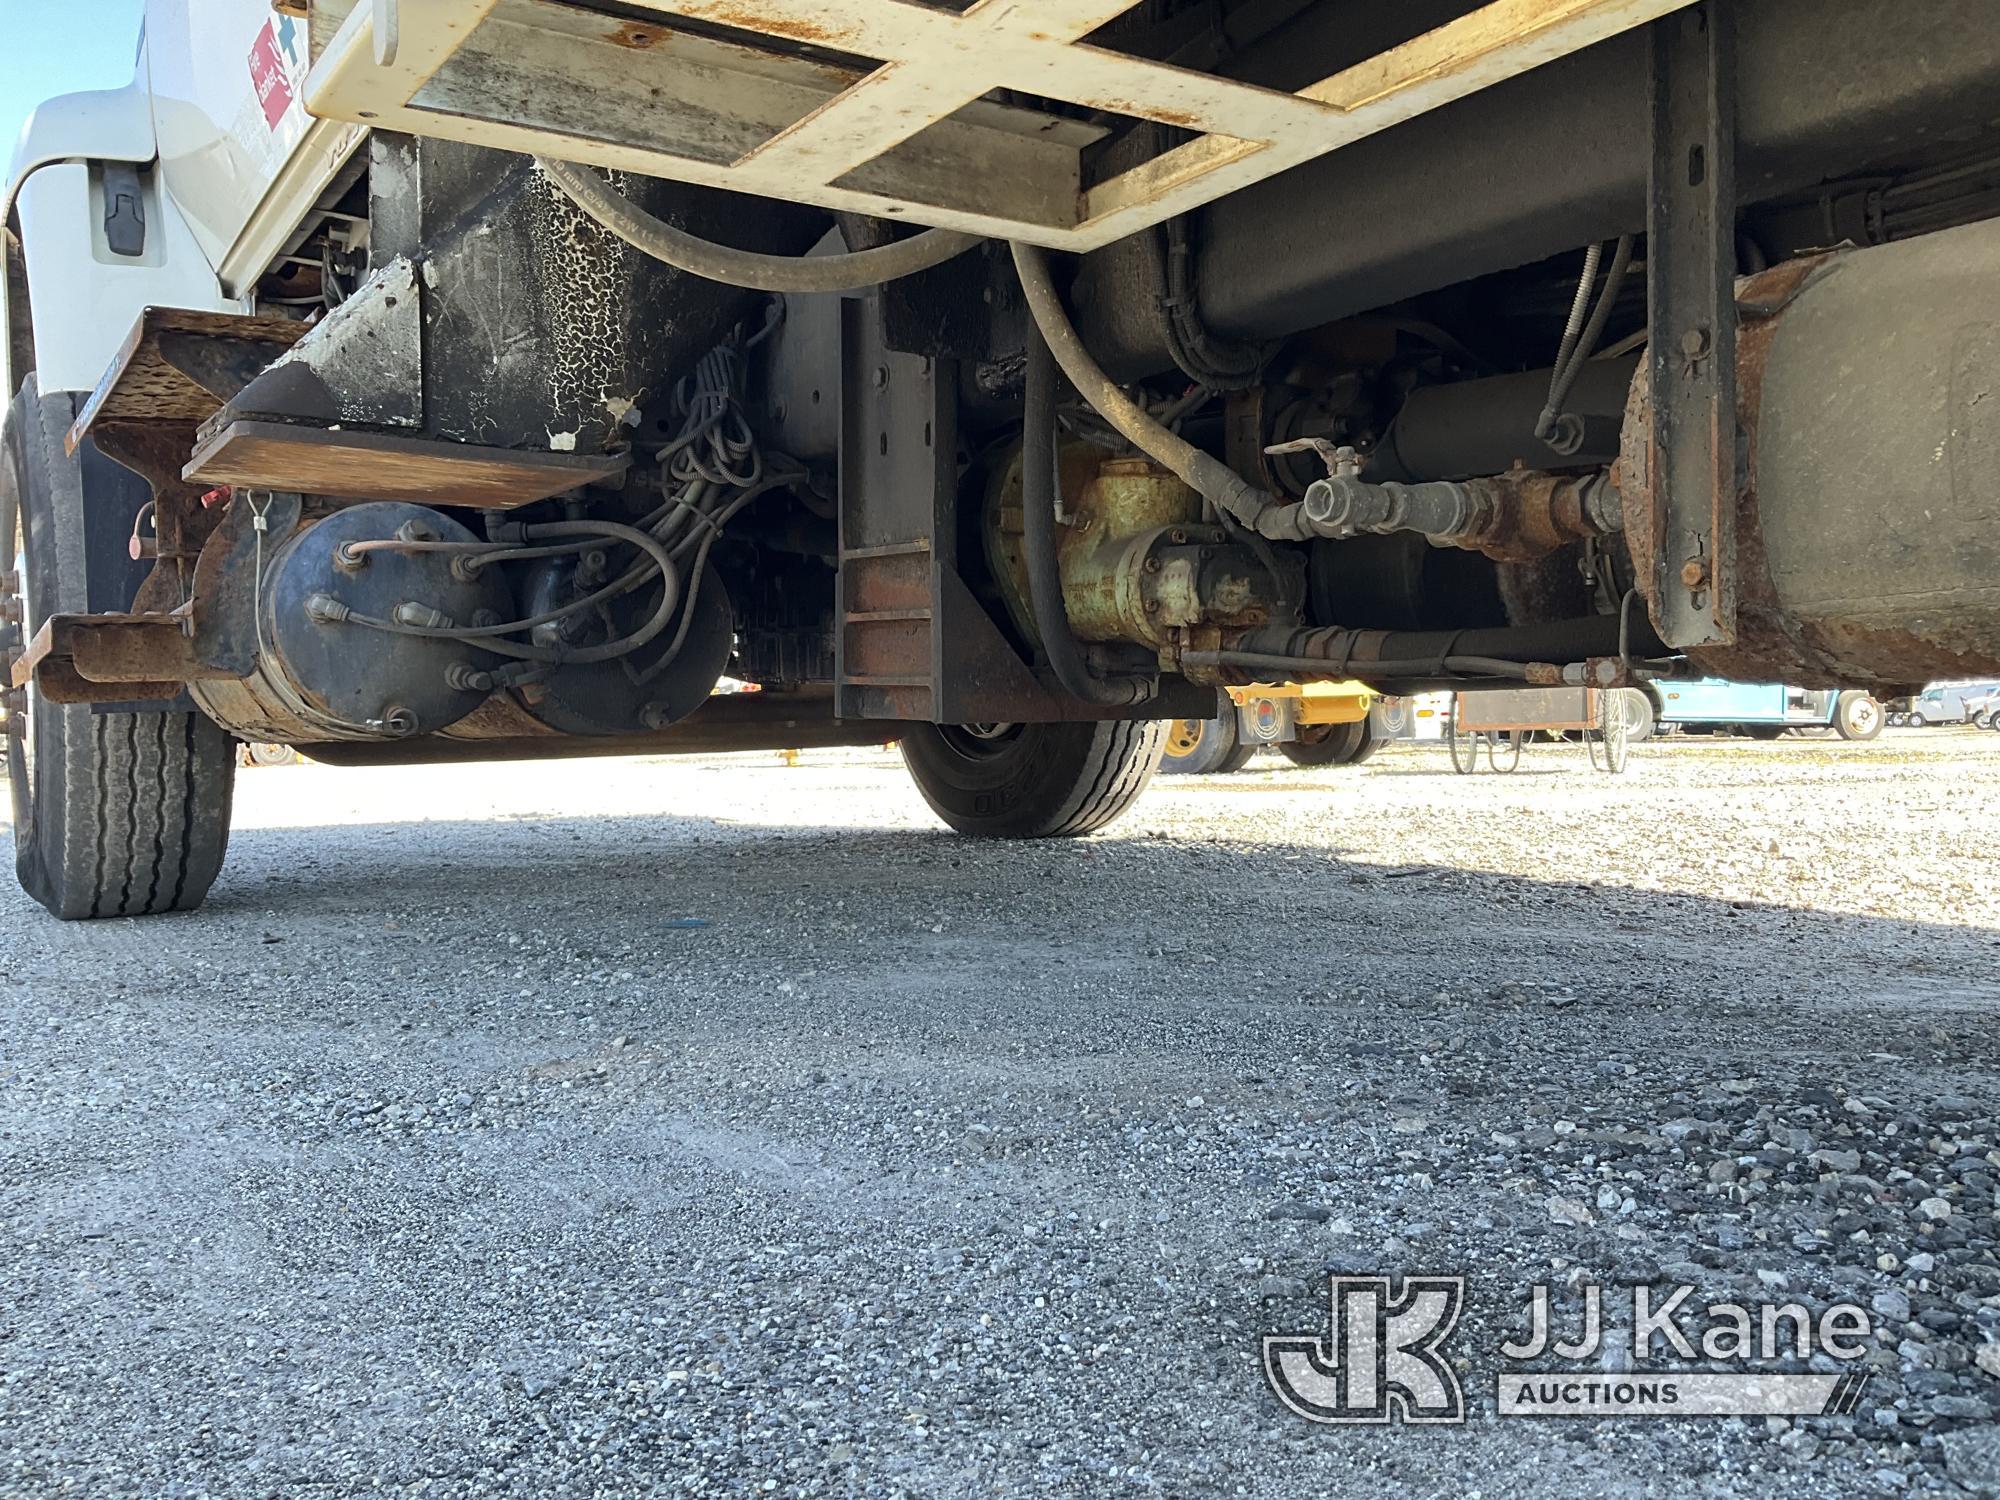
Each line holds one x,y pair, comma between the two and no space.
267,76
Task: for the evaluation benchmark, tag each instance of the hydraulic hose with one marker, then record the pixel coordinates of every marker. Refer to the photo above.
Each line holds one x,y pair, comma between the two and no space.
1489,650
1579,308
1038,525
1577,350
1309,667
748,268
1210,476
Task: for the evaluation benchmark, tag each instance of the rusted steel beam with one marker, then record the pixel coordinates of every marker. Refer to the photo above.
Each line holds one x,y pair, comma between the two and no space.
1690,272
111,658
729,722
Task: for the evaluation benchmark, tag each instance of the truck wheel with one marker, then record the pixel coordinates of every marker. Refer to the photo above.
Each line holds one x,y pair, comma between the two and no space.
115,814
1032,781
1205,747
1334,745
1856,716
1239,757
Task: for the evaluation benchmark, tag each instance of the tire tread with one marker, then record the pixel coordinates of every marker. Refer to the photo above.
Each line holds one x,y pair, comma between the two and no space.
1096,773
130,810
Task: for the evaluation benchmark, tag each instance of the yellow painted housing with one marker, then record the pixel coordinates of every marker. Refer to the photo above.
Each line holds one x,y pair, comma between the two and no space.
1318,702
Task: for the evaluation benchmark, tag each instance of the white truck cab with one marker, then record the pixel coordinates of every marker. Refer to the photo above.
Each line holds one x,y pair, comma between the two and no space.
178,190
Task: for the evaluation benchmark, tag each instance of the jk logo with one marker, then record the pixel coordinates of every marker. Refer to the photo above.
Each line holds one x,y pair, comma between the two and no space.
1379,1359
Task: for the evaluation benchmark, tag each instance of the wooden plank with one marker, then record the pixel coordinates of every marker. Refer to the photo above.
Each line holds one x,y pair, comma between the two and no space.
1017,44
991,170
537,75
911,138
1498,41
900,99
143,385
378,466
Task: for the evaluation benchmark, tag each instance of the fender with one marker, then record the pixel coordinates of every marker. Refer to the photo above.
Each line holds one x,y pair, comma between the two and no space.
78,296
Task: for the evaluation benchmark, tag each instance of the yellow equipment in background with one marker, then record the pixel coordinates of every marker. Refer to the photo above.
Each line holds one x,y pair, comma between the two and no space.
1309,723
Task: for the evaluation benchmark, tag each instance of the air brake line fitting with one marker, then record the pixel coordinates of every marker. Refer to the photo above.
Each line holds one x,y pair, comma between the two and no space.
1520,515
411,612
1512,517
324,609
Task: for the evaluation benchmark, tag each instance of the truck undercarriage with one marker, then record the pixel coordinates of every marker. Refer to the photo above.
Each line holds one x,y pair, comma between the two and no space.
1008,380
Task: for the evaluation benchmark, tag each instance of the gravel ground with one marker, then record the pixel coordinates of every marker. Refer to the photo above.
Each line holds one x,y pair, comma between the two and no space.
717,1126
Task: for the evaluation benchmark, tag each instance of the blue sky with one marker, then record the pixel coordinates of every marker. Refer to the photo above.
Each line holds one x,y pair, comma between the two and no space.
57,47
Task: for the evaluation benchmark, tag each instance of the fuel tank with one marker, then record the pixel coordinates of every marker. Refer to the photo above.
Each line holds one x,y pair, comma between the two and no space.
1868,516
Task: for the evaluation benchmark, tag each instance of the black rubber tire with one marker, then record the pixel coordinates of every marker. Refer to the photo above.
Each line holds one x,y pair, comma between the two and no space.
1764,732
1217,751
123,814
1238,758
1037,780
1857,716
1340,745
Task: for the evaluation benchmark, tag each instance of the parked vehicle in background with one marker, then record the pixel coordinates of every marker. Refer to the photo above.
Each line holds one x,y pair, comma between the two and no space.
1310,724
1419,716
1765,710
1951,703
1983,710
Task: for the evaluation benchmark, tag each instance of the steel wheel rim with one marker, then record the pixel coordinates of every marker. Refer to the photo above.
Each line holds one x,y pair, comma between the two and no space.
980,741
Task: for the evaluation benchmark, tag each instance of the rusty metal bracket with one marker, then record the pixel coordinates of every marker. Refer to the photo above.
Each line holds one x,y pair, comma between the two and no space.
915,641
1690,275
111,658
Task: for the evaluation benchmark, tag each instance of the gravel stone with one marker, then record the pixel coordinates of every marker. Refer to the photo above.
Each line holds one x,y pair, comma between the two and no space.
715,1126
